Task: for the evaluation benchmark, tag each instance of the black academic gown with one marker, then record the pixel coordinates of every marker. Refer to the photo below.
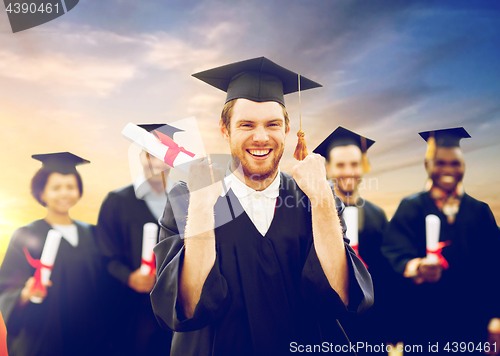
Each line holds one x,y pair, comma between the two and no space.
67,321
459,306
264,293
378,324
119,230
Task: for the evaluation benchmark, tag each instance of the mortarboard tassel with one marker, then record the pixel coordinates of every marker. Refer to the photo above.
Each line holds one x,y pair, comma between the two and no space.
364,157
301,149
431,147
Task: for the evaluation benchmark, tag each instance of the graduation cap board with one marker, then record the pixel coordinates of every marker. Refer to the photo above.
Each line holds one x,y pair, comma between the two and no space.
162,132
60,162
259,79
442,138
157,140
344,137
160,128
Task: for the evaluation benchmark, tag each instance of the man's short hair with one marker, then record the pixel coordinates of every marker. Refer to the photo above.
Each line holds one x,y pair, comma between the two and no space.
227,111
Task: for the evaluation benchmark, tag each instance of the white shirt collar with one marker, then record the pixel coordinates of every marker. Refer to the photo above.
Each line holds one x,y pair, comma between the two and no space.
142,188
241,190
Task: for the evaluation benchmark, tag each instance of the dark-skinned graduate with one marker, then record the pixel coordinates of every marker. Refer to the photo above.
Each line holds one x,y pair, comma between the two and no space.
455,294
126,215
61,315
345,152
256,263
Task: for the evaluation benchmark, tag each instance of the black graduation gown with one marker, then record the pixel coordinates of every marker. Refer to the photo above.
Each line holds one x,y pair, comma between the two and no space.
119,230
66,322
264,292
459,305
377,325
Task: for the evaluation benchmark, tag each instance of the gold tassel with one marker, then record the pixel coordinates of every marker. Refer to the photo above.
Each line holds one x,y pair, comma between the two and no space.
431,147
365,163
301,149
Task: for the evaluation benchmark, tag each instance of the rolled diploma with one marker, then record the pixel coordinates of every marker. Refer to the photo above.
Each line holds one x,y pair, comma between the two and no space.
149,143
432,228
49,253
351,221
150,231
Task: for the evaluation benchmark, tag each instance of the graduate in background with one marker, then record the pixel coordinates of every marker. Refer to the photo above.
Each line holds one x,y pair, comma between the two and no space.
65,318
242,276
346,161
120,227
454,298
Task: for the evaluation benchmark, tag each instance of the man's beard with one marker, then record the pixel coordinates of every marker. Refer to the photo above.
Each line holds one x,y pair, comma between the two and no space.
258,174
351,191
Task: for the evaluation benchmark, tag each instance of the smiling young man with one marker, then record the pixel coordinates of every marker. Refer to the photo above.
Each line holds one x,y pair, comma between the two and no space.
346,162
264,266
452,300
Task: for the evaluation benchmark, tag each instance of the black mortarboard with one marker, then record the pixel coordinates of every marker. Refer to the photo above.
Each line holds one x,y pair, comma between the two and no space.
344,137
443,138
60,162
257,79
163,128
446,137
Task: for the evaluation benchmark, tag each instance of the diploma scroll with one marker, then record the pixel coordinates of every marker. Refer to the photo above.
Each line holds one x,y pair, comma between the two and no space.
351,220
48,258
149,235
432,230
168,151
350,216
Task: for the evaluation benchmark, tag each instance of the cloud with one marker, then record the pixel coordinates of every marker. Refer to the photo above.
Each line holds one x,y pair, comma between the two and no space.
72,76
169,52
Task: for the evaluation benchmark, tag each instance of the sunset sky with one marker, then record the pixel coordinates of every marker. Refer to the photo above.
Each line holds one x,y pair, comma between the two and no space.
389,69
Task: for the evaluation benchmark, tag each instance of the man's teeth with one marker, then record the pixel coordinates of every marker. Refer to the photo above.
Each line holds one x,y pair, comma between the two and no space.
448,179
259,152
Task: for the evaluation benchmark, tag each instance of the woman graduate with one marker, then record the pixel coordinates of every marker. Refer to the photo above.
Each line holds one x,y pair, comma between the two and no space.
60,316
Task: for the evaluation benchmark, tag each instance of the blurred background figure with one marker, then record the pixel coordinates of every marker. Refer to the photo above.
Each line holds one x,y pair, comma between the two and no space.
454,297
61,316
122,217
346,161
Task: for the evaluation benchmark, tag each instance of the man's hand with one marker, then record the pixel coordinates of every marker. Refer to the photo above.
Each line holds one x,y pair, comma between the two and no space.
205,181
310,175
429,272
141,283
27,292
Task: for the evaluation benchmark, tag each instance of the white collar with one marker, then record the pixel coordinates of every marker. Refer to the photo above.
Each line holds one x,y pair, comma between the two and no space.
241,190
143,188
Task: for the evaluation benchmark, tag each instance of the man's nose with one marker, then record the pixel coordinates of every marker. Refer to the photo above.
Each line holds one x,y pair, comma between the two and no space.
260,134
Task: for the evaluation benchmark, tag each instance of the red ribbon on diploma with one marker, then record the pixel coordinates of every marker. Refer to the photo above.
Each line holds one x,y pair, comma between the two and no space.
173,149
38,272
151,264
438,251
355,248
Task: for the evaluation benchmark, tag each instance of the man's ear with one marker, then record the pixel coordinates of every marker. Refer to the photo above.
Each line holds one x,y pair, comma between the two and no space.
428,166
287,130
224,131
